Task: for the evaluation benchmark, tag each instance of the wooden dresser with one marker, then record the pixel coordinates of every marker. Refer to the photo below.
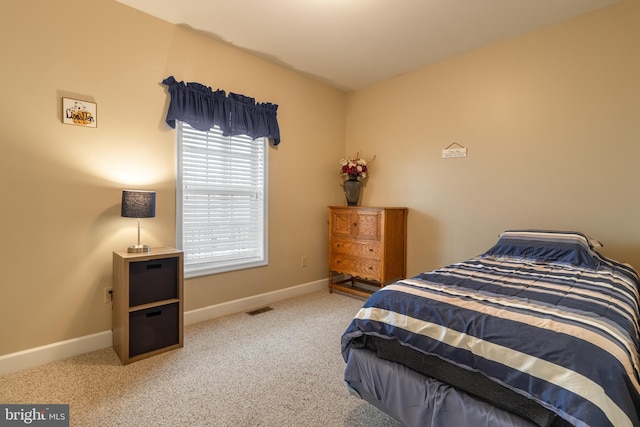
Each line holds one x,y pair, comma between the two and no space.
367,246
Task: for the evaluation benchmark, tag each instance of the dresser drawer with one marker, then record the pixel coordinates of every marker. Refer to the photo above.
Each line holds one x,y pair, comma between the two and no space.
364,224
356,249
361,267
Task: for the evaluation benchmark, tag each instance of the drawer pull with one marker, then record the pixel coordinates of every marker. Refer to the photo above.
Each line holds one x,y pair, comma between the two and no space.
151,266
370,250
154,313
338,245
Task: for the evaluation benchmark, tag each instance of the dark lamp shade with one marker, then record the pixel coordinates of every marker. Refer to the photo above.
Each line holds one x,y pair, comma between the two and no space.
138,204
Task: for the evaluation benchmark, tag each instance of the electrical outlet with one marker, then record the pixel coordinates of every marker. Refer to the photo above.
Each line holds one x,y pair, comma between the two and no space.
108,295
304,261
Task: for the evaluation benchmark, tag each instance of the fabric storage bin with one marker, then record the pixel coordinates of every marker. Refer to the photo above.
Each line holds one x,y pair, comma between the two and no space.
153,280
153,328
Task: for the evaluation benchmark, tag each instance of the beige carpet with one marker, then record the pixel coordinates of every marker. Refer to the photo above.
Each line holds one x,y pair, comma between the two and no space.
278,368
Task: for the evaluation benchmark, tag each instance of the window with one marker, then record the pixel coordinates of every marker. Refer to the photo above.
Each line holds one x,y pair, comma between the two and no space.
221,201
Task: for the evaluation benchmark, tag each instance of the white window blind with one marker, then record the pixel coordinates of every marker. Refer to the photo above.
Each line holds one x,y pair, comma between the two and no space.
221,201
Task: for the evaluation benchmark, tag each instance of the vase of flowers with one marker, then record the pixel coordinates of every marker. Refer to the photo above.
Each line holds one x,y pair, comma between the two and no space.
356,169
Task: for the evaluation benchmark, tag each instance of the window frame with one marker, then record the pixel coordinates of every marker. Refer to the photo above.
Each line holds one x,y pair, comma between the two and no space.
239,263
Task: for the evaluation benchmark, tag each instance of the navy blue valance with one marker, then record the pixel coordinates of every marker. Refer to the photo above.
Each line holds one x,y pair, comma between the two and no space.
234,114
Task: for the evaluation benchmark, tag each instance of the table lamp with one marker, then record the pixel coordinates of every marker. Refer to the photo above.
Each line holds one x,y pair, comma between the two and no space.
138,204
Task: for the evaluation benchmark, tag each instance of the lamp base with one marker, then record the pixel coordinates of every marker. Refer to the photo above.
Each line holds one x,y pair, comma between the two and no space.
136,249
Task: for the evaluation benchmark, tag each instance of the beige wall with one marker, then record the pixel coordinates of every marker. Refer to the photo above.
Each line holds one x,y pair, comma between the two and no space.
61,184
551,121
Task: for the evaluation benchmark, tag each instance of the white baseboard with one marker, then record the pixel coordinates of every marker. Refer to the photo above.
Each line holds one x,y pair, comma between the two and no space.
252,302
38,356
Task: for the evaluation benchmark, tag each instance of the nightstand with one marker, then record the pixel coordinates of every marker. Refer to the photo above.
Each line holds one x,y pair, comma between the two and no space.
147,302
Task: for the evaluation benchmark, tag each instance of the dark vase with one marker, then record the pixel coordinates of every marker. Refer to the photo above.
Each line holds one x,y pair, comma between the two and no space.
352,189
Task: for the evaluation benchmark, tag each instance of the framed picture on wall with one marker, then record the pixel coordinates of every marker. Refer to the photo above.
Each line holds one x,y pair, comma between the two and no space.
79,113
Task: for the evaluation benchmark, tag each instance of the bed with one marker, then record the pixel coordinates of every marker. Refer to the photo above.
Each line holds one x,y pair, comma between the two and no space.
540,330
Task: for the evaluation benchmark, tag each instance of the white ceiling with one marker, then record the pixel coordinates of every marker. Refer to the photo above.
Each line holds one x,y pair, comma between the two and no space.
353,43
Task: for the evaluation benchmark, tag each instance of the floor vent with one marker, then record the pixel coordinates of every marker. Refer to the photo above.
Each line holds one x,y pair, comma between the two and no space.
259,310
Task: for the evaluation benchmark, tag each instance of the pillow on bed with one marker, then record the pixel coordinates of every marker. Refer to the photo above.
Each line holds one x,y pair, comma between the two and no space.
564,247
594,243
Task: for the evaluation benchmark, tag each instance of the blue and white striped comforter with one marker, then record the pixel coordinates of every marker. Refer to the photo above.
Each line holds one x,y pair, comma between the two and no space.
562,332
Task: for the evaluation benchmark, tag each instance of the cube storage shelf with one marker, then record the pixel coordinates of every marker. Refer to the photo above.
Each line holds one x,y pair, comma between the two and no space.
148,303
